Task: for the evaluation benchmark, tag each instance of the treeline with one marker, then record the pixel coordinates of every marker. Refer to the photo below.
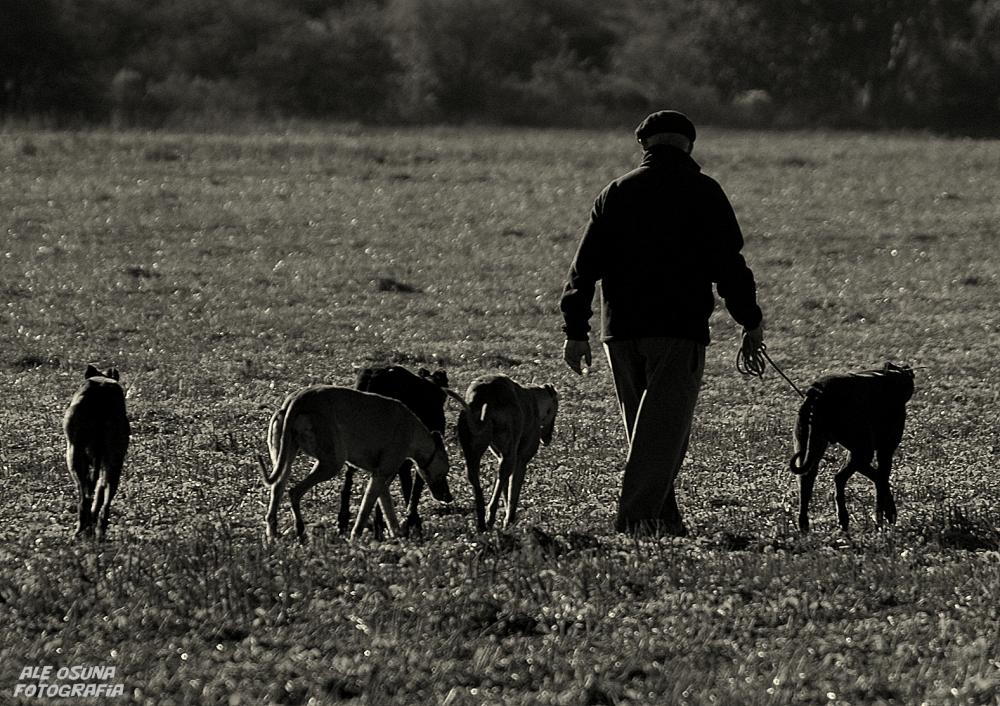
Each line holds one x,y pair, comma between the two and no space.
852,63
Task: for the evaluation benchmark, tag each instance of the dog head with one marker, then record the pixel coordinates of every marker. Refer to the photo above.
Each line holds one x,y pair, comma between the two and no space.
110,373
892,368
548,406
901,377
435,471
439,377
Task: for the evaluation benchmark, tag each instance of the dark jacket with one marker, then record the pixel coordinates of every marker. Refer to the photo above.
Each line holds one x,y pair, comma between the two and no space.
658,238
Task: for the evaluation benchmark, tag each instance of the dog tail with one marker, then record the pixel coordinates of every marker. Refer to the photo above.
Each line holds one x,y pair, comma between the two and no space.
475,420
280,446
801,462
478,417
458,398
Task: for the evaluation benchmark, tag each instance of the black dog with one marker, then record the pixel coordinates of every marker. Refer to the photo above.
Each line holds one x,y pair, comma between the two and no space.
863,412
423,394
97,435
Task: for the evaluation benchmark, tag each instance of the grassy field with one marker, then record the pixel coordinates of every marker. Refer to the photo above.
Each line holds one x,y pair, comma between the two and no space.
220,273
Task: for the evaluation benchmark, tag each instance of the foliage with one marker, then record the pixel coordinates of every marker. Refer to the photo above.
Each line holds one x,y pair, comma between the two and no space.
220,272
38,65
341,65
467,59
885,63
891,62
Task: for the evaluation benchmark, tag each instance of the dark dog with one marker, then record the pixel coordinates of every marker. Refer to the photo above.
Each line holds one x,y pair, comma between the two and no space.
863,412
510,420
97,435
423,394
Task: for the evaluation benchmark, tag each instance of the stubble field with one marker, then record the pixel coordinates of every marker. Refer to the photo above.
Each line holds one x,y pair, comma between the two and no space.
219,273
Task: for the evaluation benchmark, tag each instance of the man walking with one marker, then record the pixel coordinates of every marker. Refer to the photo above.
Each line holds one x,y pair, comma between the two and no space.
657,240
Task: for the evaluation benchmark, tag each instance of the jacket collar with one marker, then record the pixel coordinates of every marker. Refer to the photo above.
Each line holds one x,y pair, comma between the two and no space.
670,157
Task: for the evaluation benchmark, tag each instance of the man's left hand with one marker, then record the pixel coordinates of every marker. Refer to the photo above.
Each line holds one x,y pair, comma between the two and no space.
756,337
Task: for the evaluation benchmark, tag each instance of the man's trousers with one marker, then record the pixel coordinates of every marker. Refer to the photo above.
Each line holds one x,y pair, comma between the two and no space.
657,381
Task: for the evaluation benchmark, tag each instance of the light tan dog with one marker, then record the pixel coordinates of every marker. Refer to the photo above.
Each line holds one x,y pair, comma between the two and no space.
511,421
97,436
338,425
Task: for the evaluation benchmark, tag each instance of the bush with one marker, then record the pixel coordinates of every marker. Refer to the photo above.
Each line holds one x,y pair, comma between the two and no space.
181,100
342,66
561,92
498,59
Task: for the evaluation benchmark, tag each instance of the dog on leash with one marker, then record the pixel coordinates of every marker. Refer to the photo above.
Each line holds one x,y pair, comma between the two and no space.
865,413
97,435
511,421
423,394
338,425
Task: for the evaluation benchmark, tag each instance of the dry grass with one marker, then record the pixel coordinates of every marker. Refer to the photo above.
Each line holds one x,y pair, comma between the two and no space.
219,273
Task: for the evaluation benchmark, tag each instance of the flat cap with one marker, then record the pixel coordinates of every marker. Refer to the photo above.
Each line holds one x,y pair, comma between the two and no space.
665,121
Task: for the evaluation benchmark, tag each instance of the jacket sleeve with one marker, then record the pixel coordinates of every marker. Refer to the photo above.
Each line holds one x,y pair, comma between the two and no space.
734,280
584,273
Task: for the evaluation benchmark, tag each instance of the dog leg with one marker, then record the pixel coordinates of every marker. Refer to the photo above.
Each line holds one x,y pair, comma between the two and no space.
344,517
473,452
514,491
79,468
271,518
501,488
473,463
107,487
885,504
377,491
806,482
406,480
413,521
379,523
110,492
389,510
101,509
368,501
321,471
840,481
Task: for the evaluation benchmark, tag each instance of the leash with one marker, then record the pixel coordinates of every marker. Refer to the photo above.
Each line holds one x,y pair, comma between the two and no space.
750,361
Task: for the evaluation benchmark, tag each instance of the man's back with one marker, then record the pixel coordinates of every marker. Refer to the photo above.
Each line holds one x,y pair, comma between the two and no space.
657,239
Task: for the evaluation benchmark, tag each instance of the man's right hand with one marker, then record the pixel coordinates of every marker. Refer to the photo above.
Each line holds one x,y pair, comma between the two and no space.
574,352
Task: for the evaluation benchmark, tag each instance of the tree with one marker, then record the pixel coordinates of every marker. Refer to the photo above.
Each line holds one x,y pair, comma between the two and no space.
39,67
945,65
466,58
341,66
883,62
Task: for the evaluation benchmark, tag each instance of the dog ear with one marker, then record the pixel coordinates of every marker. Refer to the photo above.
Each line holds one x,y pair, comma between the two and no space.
92,372
112,373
